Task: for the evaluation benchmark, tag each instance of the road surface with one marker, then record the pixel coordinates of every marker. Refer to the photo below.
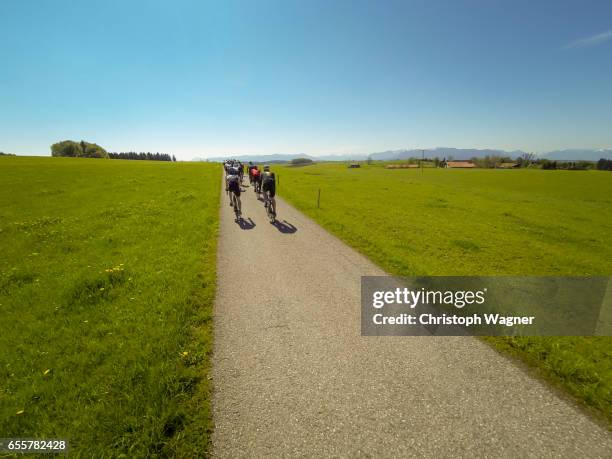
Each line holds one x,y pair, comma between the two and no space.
294,377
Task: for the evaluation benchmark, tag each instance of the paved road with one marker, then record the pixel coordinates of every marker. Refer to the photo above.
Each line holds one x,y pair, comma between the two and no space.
294,377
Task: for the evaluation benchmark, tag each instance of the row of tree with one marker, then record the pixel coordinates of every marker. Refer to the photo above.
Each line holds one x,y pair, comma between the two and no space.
142,156
6,154
604,164
524,161
567,165
530,160
84,149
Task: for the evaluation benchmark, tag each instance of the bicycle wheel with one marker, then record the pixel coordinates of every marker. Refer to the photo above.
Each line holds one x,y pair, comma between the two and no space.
269,210
236,205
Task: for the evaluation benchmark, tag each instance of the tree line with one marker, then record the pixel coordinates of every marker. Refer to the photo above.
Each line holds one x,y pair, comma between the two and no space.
567,165
526,160
83,149
604,164
148,156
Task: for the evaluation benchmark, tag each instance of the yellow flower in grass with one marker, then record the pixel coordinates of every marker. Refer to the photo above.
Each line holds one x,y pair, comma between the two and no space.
46,372
19,412
185,353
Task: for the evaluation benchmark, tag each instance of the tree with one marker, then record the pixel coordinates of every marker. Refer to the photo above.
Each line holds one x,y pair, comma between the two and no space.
300,161
489,161
142,156
92,150
74,149
173,158
525,159
604,164
66,148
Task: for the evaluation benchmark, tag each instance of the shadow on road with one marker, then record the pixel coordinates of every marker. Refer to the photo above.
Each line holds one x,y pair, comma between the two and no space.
285,227
246,224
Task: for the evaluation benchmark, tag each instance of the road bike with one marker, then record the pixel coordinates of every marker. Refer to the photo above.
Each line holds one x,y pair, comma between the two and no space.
270,205
236,204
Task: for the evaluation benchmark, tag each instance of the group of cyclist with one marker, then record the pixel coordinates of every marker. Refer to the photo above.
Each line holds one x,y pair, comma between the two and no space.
263,183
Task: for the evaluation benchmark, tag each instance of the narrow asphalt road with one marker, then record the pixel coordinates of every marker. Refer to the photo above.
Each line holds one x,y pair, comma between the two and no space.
294,377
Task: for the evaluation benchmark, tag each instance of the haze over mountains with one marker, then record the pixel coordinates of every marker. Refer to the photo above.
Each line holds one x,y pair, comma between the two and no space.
440,152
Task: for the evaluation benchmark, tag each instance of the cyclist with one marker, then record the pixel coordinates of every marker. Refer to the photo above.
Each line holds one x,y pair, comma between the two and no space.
232,184
256,176
252,167
250,171
268,184
240,170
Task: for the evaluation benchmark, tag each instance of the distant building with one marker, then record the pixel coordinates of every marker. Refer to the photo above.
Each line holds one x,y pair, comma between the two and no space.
507,165
460,165
354,165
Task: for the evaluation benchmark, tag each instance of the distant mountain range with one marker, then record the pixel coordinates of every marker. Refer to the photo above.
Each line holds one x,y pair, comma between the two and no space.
440,152
444,152
579,154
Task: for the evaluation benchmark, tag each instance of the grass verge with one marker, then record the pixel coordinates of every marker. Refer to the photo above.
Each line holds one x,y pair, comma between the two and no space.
107,279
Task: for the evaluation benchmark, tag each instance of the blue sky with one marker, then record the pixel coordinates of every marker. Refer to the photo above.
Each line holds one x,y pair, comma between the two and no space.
198,78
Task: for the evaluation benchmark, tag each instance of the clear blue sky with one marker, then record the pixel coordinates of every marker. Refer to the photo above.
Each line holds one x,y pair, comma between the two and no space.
198,78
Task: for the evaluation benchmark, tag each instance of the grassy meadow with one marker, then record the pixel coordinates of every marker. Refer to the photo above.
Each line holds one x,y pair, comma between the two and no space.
478,222
107,278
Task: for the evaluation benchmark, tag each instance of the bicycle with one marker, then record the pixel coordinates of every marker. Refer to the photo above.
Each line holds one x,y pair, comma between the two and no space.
236,204
270,205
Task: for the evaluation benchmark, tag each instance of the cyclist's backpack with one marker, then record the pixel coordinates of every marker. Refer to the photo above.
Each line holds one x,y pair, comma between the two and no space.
255,173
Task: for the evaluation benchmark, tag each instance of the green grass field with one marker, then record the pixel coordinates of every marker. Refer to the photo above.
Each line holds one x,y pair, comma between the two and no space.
107,278
478,222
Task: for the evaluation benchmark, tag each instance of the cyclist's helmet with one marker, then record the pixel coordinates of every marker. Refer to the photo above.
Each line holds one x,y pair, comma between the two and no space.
266,168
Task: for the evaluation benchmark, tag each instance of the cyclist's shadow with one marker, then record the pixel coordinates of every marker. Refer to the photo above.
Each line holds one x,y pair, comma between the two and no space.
246,224
285,227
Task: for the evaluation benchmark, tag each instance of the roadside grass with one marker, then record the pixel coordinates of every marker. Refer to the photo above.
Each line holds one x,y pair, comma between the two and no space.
478,222
107,279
